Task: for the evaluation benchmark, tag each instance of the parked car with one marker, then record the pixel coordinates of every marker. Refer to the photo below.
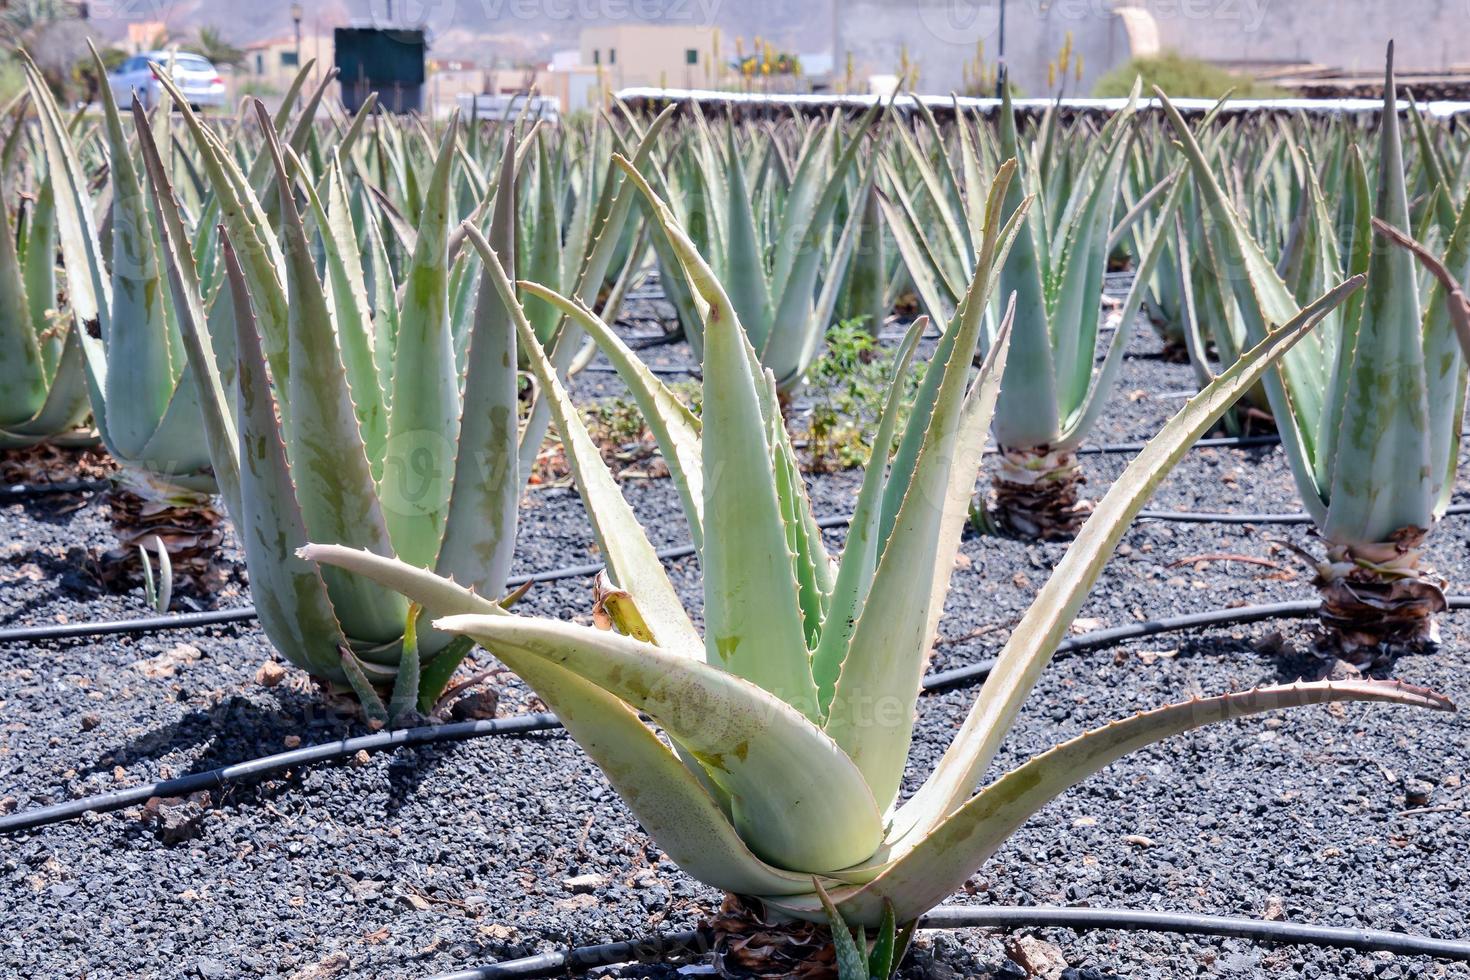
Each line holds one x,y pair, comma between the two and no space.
195,76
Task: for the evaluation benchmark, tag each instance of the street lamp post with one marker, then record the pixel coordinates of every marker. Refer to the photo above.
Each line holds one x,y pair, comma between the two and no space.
296,20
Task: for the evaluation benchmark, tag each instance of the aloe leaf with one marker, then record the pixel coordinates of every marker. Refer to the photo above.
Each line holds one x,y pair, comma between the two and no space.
256,244
66,403
215,404
405,697
765,753
851,963
936,293
753,620
329,466
38,263
885,955
1265,302
1384,479
745,270
672,423
860,552
898,617
138,394
948,855
1080,423
1076,314
1045,623
424,416
23,375
543,263
1026,414
290,593
350,311
999,245
666,797
634,564
89,291
1446,343
480,530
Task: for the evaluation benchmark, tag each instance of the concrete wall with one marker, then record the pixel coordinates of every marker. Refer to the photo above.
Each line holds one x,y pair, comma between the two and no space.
942,35
1349,34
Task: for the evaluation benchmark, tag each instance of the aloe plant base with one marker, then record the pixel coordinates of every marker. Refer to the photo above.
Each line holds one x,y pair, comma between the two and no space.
751,941
188,524
1038,493
1377,600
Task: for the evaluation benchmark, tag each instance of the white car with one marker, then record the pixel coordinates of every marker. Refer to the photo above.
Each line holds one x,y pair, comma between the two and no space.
193,74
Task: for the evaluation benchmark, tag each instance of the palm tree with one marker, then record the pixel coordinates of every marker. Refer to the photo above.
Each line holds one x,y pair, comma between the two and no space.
212,45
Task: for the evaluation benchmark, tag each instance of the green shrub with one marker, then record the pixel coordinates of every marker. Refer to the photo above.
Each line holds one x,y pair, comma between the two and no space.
1182,78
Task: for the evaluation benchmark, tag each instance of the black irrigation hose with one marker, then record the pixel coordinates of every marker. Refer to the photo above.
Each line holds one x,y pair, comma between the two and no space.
520,724
20,491
682,945
243,772
244,614
1205,517
23,491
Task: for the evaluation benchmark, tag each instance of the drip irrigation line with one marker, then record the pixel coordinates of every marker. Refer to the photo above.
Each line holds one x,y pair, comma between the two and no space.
664,947
1205,517
253,769
245,614
519,724
22,491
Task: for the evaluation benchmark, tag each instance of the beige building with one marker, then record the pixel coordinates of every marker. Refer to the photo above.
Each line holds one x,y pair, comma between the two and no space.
270,65
676,56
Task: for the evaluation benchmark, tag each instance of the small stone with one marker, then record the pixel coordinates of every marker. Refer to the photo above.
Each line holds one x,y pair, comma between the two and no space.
1275,909
476,706
270,674
1036,957
584,884
176,820
1084,822
1138,840
292,741
90,720
361,758
1417,792
8,804
211,969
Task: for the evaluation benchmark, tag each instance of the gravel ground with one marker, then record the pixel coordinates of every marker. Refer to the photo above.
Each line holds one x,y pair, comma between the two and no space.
418,862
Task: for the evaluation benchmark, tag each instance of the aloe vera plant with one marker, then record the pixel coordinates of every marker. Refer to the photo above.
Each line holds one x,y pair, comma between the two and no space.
1053,393
43,389
767,225
422,464
143,396
790,719
1370,409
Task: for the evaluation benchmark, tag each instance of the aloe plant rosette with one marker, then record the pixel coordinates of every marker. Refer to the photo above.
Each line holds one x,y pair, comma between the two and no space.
422,464
791,717
1054,389
1370,409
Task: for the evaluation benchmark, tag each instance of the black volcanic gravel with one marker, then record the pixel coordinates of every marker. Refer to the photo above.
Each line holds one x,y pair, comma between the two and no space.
418,862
